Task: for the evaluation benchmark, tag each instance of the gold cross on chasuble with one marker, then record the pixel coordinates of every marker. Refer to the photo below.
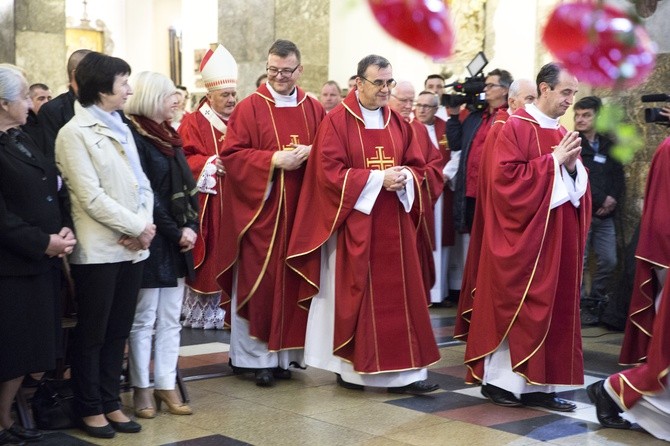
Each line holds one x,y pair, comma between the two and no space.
379,161
295,139
443,142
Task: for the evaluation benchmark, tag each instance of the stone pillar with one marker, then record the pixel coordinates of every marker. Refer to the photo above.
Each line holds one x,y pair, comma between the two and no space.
248,28
39,41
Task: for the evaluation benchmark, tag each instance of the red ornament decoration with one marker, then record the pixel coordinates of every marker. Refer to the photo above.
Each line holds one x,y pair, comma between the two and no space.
422,24
601,45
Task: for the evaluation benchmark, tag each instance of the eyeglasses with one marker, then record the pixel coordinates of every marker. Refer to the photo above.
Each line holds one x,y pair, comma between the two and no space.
487,86
408,101
425,106
286,72
380,83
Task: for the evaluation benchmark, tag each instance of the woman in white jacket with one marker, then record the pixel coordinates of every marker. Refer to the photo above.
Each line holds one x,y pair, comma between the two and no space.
112,210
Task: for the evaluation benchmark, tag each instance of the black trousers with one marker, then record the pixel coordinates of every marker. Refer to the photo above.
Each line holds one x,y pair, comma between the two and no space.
106,296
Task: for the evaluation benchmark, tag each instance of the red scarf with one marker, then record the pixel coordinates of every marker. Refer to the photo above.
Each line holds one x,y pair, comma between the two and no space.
162,135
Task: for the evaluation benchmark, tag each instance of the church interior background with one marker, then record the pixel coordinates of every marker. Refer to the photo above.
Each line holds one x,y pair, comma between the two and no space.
170,36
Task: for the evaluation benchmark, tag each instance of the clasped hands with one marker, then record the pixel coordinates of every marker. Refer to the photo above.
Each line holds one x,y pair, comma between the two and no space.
394,179
187,240
142,241
568,150
61,244
291,159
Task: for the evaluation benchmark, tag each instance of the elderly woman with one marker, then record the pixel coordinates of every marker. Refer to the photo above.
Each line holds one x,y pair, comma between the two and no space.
150,109
112,209
34,234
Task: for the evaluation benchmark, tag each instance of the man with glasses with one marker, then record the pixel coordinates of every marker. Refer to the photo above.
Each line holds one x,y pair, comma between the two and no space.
203,132
402,102
268,141
425,111
354,244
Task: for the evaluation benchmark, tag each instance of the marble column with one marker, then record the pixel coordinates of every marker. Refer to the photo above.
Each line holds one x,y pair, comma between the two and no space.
248,28
33,37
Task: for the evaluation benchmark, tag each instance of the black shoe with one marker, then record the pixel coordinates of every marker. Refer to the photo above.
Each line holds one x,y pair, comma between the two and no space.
548,401
237,370
106,431
280,373
126,427
499,396
6,438
347,385
23,433
607,410
416,388
587,318
264,378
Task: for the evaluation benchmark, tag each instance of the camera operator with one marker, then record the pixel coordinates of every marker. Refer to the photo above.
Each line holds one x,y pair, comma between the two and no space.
607,187
468,137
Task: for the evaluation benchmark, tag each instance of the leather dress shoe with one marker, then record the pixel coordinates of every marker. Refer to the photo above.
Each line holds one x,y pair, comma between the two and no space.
416,388
607,410
548,401
499,396
6,438
126,427
106,431
23,433
280,373
348,385
264,378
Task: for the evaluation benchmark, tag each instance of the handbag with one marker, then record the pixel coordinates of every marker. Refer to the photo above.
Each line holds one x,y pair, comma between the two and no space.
53,405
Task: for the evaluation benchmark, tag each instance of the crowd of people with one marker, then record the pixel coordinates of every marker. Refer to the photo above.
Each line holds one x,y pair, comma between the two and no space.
320,228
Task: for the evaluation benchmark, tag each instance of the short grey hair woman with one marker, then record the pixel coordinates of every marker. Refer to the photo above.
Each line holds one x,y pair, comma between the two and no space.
34,235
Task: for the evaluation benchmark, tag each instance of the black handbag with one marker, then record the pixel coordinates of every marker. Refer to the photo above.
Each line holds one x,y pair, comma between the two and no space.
53,405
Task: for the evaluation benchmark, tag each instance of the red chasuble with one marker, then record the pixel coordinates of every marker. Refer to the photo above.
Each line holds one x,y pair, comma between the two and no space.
531,261
448,227
653,251
202,141
381,315
431,187
260,225
472,260
651,377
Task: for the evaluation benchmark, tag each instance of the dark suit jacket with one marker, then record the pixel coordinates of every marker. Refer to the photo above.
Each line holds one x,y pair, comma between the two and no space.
52,116
30,207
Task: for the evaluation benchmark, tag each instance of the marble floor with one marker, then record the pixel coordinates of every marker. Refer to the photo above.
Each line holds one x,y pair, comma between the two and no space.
311,409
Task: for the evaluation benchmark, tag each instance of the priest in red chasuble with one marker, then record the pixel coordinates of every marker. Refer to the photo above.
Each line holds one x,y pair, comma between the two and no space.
268,141
521,92
425,112
642,391
203,132
525,338
402,102
354,243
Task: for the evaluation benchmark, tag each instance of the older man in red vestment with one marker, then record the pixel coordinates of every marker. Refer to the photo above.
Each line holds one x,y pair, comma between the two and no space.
642,391
203,132
525,329
354,243
269,138
402,102
521,92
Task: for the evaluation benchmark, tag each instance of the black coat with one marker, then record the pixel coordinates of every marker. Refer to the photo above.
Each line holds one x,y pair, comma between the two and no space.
605,178
31,207
52,116
165,263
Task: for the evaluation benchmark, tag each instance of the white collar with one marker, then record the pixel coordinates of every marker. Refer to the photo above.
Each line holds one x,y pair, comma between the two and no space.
545,121
282,100
374,119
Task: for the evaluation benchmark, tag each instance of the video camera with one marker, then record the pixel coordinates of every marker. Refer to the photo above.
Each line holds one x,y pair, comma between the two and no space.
654,114
470,91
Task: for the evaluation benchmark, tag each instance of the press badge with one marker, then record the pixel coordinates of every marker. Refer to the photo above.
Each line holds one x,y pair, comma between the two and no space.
600,159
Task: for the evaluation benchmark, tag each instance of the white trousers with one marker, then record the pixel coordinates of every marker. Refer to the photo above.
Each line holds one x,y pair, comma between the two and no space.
498,372
162,307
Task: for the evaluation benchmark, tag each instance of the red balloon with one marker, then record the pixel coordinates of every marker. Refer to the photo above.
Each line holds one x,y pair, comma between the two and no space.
421,24
600,44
